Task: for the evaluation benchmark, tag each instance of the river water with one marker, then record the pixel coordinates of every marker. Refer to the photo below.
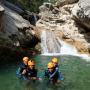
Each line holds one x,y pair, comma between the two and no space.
76,73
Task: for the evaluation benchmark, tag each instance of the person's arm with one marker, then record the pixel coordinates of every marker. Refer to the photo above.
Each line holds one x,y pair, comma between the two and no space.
18,71
23,72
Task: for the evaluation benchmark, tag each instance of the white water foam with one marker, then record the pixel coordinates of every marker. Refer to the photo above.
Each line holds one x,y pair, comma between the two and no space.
83,56
64,48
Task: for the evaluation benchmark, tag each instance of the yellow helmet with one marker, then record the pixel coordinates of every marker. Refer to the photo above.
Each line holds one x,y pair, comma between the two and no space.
31,63
25,58
55,60
50,65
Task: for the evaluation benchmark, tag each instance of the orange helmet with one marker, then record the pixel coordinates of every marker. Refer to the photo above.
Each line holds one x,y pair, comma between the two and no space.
31,63
50,65
25,58
55,60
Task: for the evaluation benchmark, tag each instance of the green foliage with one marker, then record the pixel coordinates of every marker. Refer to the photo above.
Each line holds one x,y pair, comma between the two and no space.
31,5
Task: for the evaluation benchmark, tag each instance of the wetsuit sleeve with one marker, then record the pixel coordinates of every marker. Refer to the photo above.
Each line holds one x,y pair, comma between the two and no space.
20,69
46,73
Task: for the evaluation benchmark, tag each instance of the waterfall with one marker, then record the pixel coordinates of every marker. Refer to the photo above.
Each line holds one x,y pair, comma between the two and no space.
52,45
67,48
49,43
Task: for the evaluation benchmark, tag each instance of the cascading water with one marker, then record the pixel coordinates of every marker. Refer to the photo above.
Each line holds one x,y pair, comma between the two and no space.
66,48
49,43
52,45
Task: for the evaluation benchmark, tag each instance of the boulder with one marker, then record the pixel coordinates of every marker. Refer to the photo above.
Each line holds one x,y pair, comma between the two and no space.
14,21
16,28
81,12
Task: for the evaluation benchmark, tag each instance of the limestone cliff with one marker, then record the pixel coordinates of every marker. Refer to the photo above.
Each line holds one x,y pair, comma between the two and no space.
68,22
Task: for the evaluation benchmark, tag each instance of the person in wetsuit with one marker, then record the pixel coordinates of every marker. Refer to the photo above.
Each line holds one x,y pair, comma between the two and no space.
51,73
22,68
56,65
31,71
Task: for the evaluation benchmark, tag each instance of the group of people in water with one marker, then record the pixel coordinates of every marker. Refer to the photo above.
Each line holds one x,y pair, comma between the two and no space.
28,71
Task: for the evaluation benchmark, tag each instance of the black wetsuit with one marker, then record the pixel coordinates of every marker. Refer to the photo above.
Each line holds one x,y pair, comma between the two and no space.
22,67
32,72
52,76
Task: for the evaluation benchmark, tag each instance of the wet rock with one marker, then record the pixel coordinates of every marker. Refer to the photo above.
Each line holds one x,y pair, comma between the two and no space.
81,12
13,22
17,29
31,17
81,47
1,18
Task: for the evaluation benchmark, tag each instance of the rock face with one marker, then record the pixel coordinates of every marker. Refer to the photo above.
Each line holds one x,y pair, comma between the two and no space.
83,12
60,3
13,22
18,30
66,24
85,6
13,7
